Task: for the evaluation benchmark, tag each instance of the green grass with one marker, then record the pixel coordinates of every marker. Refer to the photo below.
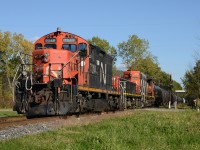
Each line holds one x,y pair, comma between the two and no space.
141,130
8,113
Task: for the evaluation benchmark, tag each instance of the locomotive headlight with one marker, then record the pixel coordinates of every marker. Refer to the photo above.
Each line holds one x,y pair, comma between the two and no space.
46,54
45,59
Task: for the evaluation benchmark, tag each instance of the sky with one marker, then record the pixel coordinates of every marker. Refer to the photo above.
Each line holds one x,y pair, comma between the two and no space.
172,27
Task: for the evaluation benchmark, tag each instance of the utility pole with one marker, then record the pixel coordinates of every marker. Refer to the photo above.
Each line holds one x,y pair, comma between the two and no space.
170,90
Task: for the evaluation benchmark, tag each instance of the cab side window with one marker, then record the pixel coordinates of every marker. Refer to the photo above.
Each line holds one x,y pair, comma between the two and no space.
38,46
82,47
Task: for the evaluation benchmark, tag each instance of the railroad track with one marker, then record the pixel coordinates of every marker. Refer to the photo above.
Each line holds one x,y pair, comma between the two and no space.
7,122
13,127
11,119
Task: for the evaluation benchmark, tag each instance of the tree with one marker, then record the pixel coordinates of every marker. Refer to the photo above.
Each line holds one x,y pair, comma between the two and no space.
191,82
133,51
176,86
104,44
12,47
136,56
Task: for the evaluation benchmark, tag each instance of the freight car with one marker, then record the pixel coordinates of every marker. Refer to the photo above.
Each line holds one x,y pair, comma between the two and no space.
163,96
70,75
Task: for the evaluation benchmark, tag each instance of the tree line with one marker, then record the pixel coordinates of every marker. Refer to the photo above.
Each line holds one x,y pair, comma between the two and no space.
134,53
191,82
136,56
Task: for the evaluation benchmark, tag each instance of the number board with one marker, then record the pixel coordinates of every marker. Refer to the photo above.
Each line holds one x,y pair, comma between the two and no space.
50,40
69,40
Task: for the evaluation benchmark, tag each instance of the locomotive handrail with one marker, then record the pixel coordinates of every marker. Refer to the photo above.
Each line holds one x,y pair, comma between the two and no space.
55,70
26,84
18,70
27,77
70,60
61,70
15,79
123,92
27,65
71,86
62,74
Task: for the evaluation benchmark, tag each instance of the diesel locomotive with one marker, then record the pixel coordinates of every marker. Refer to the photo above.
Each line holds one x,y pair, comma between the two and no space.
70,75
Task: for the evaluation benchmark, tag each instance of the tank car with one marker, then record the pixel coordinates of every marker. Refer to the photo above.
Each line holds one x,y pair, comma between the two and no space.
163,97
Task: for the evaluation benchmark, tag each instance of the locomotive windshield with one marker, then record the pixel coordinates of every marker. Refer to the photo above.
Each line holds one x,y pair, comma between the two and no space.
71,47
50,46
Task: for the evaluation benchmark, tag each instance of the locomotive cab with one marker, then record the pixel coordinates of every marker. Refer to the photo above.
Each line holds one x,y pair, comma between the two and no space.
57,52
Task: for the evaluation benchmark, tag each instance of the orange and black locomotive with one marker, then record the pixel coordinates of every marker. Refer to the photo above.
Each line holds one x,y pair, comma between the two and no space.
70,75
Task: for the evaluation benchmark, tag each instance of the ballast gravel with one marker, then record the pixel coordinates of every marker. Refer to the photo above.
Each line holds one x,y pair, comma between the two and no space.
14,132
18,131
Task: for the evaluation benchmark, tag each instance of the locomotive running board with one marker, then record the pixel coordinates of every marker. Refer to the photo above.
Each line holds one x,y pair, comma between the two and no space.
83,88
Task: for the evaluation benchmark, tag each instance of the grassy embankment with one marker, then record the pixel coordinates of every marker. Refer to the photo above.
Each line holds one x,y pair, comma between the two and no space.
141,130
8,113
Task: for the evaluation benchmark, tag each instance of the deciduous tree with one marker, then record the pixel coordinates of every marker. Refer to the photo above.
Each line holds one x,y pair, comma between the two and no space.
133,51
136,56
191,82
104,44
12,49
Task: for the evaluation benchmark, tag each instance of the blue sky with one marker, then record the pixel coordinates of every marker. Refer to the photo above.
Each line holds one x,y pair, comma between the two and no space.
172,27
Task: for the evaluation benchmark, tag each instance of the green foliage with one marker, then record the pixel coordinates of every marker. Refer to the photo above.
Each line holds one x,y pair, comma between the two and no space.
176,86
12,47
140,130
117,72
191,82
133,51
136,56
104,44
